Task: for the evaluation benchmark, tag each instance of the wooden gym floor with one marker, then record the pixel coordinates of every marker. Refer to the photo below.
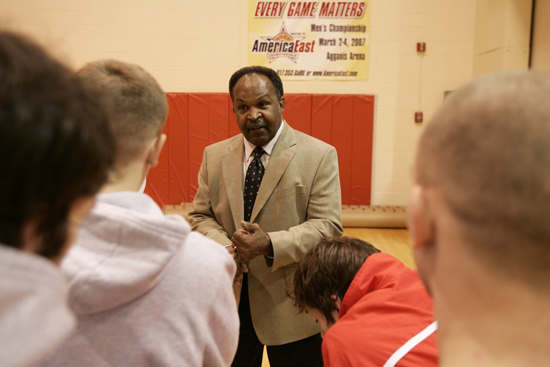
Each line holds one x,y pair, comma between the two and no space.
393,241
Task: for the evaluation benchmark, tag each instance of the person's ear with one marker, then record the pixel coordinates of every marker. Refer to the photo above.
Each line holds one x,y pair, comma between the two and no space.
422,223
77,213
282,103
337,301
156,149
421,219
30,241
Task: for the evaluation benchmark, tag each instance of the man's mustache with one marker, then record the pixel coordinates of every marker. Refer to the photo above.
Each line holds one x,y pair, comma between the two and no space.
258,123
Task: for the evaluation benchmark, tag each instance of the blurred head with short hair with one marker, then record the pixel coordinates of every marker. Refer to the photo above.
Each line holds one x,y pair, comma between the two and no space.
138,109
478,215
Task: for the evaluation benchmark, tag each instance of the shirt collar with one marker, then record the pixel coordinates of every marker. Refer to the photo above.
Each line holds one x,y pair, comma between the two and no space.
249,147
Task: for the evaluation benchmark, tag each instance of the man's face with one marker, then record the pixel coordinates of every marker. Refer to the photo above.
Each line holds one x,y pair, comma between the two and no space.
321,319
258,111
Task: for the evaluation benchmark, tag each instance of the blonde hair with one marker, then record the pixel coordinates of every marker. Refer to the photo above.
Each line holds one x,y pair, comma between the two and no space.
138,106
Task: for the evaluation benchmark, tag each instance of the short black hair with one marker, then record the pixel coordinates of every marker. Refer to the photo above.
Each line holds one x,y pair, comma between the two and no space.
327,270
267,72
55,144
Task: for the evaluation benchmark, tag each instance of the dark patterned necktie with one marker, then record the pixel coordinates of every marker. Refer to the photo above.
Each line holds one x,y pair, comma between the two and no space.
252,182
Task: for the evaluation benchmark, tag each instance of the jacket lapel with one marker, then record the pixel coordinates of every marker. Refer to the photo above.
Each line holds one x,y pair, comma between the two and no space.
232,166
282,154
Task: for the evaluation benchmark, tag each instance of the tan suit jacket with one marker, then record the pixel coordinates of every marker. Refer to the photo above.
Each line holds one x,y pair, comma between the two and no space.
298,203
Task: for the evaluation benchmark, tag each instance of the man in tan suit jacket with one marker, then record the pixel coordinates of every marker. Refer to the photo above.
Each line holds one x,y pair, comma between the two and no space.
298,203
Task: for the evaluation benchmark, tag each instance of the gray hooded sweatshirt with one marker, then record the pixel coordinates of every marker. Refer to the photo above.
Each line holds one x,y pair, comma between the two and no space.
147,291
34,317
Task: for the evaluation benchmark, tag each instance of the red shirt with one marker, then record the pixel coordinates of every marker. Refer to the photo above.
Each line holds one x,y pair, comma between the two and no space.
385,306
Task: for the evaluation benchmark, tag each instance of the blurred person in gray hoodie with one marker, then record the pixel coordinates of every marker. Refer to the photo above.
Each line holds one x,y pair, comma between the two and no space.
146,290
56,150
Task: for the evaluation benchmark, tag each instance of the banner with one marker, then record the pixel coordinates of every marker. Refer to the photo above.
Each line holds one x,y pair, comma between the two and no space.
319,40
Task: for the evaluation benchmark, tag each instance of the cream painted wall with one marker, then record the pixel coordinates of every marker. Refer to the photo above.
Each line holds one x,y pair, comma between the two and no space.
194,46
502,35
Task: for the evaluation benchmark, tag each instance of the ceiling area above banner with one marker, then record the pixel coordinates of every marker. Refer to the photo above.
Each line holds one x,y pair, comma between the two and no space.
313,40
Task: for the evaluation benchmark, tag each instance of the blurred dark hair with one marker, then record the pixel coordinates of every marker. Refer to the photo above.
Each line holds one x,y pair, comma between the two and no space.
55,144
327,270
267,72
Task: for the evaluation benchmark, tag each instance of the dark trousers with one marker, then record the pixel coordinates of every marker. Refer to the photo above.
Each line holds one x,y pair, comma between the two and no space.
303,353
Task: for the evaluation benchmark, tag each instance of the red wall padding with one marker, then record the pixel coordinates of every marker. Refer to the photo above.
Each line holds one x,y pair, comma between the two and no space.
197,120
